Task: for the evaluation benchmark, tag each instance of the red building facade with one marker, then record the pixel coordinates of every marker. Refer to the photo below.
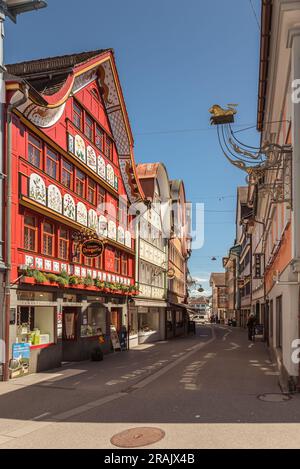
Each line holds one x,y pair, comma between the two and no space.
73,170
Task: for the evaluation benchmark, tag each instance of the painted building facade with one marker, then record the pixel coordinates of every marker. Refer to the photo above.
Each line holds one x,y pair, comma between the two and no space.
70,159
148,314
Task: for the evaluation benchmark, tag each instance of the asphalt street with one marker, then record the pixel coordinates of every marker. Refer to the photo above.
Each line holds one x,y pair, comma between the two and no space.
203,391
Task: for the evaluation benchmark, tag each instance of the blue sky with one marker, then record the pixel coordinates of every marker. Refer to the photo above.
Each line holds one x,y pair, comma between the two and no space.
175,60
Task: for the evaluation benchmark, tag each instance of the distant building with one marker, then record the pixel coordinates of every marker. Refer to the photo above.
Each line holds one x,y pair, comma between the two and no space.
219,295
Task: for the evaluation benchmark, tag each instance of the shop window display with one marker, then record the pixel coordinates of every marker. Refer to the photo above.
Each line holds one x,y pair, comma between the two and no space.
148,322
93,321
35,324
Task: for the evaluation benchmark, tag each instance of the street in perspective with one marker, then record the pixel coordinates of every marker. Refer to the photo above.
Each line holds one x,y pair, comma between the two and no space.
150,227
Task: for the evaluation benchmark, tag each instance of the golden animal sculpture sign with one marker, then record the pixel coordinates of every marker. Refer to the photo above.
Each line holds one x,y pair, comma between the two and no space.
222,116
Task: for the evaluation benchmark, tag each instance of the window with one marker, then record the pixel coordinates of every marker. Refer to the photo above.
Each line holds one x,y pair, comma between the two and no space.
117,262
101,198
124,265
91,196
67,174
108,147
88,261
77,115
48,239
30,233
93,320
99,262
63,244
99,140
52,163
34,151
80,183
88,129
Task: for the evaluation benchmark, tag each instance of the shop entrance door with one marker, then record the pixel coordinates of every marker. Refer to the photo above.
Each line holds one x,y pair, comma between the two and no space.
70,350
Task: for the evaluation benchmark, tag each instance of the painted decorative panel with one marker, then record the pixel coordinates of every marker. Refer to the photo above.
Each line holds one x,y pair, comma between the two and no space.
29,261
56,267
48,264
81,213
71,147
102,226
116,183
112,230
77,271
101,167
121,235
37,189
39,262
54,198
91,158
83,271
93,220
80,148
110,175
128,238
69,206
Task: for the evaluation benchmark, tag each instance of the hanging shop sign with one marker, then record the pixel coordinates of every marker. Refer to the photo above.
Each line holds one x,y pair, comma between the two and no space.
92,248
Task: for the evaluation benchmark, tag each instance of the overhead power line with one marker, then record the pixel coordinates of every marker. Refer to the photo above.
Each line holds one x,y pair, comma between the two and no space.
255,14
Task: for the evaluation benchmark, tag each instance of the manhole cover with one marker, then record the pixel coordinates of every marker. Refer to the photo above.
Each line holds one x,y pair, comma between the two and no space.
135,437
274,397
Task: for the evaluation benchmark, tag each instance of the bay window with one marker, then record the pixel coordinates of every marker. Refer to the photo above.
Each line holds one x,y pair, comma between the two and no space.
52,163
91,196
117,262
80,183
67,174
63,244
30,233
34,151
124,264
77,115
48,239
88,128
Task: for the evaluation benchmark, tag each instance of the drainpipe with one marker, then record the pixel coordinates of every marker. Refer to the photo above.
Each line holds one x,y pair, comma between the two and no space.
6,303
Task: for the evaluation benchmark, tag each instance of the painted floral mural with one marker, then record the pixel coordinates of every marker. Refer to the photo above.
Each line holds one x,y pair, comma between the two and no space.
81,213
69,206
37,189
110,175
80,148
91,158
112,230
128,238
102,227
121,235
93,220
54,198
101,167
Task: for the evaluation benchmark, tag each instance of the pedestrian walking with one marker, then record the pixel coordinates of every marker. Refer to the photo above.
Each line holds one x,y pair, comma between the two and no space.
251,326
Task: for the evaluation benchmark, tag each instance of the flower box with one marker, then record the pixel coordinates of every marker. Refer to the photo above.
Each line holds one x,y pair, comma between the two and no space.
30,280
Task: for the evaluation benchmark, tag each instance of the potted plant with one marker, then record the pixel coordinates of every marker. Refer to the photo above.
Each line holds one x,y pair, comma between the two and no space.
39,276
62,282
88,281
52,278
73,280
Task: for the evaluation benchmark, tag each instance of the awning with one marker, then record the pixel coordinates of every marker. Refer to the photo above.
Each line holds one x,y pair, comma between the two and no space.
150,303
179,305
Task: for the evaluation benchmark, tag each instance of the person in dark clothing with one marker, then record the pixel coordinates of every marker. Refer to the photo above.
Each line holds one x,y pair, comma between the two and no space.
123,338
251,326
